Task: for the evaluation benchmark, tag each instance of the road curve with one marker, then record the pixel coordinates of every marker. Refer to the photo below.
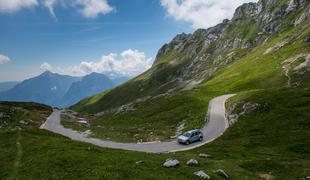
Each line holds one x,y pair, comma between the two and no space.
214,127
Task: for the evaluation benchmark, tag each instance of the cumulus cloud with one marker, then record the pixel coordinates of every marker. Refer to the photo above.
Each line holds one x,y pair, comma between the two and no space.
4,59
129,63
14,5
88,8
202,13
92,8
46,67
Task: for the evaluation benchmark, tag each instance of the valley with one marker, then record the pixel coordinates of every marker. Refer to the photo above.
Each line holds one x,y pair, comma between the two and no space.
261,56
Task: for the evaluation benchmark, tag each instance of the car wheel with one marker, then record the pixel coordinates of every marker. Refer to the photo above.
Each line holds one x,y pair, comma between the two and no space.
187,142
200,139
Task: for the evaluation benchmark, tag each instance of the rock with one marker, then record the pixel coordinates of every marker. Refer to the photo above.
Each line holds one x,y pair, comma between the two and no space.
192,162
204,155
23,122
202,174
171,163
139,162
221,172
291,6
300,20
266,177
276,47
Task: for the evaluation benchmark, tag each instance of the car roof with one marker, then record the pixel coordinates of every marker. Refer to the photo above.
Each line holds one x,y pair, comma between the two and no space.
191,131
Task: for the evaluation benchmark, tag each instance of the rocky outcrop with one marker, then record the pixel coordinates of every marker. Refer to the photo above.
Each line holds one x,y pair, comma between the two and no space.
222,173
192,162
205,47
202,174
171,163
233,115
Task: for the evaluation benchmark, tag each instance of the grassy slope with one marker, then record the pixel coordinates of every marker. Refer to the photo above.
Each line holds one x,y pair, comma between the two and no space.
249,148
159,118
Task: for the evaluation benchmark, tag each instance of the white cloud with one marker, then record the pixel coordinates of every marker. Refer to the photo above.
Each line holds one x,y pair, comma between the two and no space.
88,8
129,63
202,13
4,59
92,8
14,5
49,4
46,67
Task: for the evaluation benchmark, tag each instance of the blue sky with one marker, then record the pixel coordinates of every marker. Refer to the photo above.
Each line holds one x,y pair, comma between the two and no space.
76,37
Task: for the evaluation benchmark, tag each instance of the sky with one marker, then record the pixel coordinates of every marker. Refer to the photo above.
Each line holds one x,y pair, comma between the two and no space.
114,37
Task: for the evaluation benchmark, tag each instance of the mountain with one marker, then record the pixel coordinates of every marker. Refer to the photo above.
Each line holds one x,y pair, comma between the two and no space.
191,60
46,88
91,84
59,90
4,86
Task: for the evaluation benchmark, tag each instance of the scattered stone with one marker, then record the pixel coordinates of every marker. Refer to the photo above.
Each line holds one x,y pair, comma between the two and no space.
192,162
171,163
204,155
266,177
291,6
202,174
276,47
139,162
300,20
23,122
221,172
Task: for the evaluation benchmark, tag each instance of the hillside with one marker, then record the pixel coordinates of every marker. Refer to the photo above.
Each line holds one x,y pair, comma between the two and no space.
262,55
193,59
264,46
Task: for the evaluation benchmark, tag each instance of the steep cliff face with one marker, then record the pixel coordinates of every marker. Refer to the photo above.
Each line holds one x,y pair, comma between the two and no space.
191,59
207,50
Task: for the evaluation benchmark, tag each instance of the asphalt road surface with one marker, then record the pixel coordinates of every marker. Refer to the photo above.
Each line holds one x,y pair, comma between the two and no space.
214,127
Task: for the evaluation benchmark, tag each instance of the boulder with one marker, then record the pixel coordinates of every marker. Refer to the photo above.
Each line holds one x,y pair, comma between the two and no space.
204,155
202,174
222,173
139,162
192,162
23,122
171,163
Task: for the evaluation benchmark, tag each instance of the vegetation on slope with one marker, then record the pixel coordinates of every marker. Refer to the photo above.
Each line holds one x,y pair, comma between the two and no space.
268,140
159,118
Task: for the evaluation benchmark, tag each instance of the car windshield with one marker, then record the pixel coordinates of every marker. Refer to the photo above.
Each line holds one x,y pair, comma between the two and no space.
187,134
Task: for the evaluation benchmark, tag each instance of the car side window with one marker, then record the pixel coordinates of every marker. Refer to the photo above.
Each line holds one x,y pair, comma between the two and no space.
193,134
196,133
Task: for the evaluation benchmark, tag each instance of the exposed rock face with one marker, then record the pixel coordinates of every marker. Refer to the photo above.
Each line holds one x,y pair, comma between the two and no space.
191,59
192,162
205,47
171,163
204,155
202,174
247,107
276,47
221,172
296,66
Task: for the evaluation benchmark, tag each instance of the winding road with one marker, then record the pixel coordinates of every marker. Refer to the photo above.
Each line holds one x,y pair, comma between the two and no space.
214,127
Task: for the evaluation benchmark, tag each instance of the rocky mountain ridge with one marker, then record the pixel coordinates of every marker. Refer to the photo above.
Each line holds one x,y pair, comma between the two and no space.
192,59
